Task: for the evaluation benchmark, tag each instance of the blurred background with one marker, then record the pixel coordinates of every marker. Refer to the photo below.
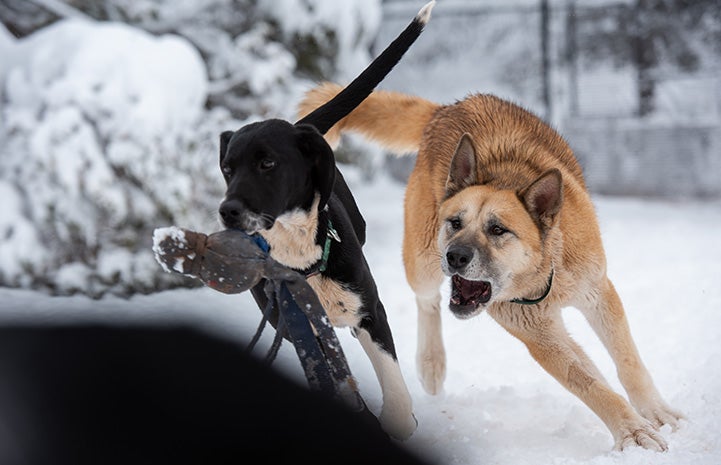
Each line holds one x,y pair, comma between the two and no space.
110,110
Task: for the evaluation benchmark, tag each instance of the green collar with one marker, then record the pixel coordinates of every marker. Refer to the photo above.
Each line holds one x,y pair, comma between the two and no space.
523,301
330,234
321,265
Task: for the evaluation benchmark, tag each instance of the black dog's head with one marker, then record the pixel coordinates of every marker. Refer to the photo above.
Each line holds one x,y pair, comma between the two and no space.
270,168
273,167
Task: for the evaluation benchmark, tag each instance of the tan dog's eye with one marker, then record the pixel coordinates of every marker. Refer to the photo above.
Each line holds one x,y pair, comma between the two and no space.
497,230
455,223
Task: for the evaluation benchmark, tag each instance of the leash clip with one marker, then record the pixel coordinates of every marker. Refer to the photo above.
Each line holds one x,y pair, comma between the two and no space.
332,233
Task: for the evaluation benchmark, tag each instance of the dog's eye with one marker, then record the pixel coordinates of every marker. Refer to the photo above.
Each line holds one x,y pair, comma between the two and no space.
496,230
455,223
227,170
266,164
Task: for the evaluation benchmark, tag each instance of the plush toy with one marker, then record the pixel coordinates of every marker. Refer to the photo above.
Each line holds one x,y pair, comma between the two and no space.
232,262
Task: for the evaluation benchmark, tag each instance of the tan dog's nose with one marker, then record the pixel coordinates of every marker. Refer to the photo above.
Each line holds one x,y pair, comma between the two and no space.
458,257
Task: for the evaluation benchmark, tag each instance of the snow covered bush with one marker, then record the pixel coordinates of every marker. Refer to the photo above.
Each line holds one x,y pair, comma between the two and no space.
105,137
256,50
108,131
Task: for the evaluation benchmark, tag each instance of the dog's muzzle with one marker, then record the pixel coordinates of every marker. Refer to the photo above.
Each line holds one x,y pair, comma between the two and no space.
235,215
467,296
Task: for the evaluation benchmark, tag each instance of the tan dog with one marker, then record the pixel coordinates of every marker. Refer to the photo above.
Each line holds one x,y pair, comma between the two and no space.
497,201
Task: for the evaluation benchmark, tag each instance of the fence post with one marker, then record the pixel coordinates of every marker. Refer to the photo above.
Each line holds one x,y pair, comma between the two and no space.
572,57
545,58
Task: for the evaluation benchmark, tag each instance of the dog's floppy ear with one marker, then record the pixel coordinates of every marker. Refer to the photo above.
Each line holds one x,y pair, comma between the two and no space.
543,198
224,140
462,172
316,149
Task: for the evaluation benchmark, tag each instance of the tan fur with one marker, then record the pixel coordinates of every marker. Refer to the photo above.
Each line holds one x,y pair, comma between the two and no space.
292,243
513,149
369,118
292,238
341,304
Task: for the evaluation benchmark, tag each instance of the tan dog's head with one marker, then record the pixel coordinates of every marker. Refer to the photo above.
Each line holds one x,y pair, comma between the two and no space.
492,240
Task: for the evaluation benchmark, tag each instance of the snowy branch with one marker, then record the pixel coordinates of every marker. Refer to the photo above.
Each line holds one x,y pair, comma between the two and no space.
62,9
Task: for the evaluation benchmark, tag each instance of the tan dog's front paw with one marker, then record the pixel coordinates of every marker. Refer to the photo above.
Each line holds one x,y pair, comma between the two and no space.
659,414
640,433
431,371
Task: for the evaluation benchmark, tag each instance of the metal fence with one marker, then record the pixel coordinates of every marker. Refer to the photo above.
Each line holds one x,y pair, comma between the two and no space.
529,52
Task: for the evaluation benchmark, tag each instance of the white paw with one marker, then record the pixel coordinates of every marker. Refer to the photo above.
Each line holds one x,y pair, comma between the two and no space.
398,426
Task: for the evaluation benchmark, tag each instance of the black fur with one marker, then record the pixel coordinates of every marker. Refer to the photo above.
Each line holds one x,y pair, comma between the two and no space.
303,165
361,87
274,167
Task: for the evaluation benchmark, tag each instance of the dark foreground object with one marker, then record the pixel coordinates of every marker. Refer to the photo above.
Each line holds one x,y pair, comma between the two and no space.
138,395
232,262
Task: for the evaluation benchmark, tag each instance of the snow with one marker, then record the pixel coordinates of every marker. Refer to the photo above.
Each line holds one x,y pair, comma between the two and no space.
353,25
103,128
498,405
177,236
146,87
93,160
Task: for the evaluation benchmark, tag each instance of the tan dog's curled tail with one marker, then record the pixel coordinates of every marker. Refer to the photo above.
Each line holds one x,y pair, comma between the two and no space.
393,120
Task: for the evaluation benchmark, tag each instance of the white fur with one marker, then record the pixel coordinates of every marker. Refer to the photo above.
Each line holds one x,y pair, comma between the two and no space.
397,412
424,14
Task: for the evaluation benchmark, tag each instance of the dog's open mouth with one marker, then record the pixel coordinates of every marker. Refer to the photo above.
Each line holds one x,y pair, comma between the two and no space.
467,295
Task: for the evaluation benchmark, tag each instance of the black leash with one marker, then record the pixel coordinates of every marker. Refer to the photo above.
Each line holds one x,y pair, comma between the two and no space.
258,332
303,321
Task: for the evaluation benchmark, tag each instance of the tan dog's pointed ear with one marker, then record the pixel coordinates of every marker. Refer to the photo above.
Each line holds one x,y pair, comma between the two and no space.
462,172
543,198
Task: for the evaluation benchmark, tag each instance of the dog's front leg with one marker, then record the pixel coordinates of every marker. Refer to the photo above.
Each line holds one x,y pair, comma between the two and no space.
608,319
550,345
421,260
396,415
430,353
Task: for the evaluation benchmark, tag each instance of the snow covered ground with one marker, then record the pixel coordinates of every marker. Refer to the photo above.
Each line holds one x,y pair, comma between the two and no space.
498,406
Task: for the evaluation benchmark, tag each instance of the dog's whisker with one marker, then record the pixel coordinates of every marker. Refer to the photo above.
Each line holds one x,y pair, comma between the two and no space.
267,217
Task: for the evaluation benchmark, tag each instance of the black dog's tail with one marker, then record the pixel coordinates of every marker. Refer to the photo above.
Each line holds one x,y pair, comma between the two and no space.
325,116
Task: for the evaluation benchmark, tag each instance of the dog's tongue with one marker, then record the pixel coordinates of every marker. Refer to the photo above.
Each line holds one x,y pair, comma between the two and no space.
470,289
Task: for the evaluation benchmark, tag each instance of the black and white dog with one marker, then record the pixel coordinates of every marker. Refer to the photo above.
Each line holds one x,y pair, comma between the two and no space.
283,183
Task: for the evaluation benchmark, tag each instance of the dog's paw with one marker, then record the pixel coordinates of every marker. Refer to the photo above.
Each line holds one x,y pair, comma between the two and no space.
431,371
398,426
659,413
640,432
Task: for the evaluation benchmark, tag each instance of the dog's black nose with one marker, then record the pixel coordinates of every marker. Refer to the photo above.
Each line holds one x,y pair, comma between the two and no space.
458,256
230,211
